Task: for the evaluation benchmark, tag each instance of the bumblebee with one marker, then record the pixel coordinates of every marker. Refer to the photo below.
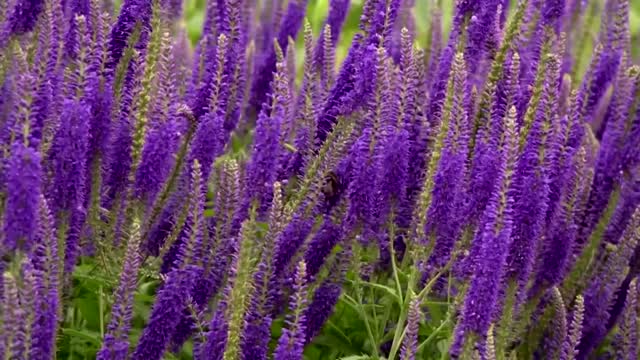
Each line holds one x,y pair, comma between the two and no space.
331,185
332,190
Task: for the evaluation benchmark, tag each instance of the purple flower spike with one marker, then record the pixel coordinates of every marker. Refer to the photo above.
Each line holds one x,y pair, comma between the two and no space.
289,27
599,296
321,245
46,273
12,321
494,239
627,338
22,18
292,340
131,13
116,342
157,158
320,309
262,169
410,343
165,315
68,159
443,216
24,179
338,10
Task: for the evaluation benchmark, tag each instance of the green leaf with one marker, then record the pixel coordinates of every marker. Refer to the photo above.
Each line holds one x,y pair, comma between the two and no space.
84,335
356,357
384,288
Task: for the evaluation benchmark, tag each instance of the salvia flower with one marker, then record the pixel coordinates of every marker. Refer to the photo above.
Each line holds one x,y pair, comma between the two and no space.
24,182
492,177
600,292
410,343
494,237
46,272
292,340
116,341
569,347
627,338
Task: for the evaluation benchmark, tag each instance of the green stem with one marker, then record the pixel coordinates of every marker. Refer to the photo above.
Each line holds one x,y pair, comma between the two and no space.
366,320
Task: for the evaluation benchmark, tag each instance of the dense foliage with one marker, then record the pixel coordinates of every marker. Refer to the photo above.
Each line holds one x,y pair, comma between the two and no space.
474,198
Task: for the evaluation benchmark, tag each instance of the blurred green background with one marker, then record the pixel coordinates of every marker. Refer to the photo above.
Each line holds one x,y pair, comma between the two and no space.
194,14
317,10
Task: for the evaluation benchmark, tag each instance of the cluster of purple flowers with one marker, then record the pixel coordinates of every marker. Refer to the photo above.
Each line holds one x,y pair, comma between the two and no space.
488,159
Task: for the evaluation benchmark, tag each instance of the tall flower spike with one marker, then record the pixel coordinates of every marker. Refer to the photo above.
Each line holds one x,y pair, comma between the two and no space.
193,251
292,340
349,89
262,169
44,62
325,48
157,158
425,198
133,13
326,65
46,262
210,76
258,319
434,50
208,142
494,236
67,189
480,25
609,159
289,27
321,245
361,206
558,324
21,19
444,220
392,169
116,341
410,342
23,186
241,290
570,345
67,159
12,317
627,338
28,298
211,255
165,314
531,183
118,159
599,295
326,295
304,120
142,100
170,72
178,289
555,257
